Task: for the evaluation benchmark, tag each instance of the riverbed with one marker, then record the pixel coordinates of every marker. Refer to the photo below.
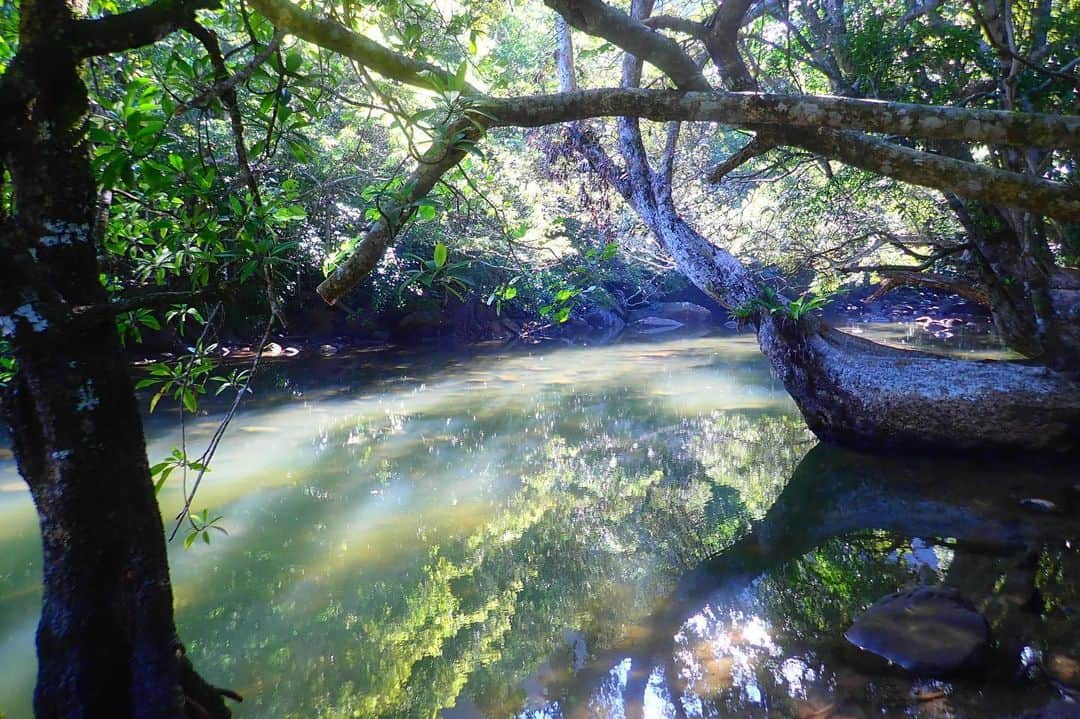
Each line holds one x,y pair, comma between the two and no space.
641,529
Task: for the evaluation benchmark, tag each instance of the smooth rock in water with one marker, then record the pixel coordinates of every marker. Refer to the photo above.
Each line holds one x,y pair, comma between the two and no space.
1040,505
929,631
605,319
686,312
327,350
659,322
272,349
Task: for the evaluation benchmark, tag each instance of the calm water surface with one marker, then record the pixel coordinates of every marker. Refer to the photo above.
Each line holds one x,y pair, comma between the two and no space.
634,530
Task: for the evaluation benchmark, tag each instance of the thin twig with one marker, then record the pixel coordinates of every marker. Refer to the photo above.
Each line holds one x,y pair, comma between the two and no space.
219,433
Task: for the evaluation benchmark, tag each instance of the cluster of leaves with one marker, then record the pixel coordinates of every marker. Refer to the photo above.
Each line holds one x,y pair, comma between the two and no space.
439,277
771,302
8,364
201,524
581,282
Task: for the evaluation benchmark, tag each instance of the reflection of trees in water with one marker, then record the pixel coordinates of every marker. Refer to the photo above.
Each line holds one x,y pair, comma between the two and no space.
603,526
755,630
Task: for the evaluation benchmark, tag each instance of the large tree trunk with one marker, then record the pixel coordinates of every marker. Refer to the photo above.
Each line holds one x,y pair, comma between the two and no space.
106,641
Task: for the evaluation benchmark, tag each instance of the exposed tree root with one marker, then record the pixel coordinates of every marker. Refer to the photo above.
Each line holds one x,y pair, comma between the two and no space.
202,700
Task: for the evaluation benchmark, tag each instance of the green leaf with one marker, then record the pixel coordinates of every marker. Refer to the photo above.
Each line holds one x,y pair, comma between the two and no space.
441,253
459,76
293,61
290,212
189,400
426,213
190,539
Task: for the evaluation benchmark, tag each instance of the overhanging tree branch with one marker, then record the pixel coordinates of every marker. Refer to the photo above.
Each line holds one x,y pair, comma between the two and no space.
966,179
601,20
221,88
676,24
136,28
757,147
894,279
334,36
742,109
451,146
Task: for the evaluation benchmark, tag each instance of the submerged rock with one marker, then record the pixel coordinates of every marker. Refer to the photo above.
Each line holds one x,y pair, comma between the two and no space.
928,631
686,312
1064,669
653,325
1040,505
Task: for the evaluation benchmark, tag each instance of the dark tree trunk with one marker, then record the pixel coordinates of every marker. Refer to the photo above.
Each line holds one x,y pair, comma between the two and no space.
106,641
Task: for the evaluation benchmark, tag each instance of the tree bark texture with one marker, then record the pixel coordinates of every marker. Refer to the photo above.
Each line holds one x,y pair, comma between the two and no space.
106,640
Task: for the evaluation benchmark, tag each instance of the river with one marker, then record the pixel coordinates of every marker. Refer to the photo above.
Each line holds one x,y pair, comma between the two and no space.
642,529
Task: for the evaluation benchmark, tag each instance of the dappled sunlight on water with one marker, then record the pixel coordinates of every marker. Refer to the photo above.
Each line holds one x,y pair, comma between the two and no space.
631,530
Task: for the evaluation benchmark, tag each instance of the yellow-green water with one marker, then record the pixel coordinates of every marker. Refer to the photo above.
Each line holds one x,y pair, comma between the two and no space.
541,533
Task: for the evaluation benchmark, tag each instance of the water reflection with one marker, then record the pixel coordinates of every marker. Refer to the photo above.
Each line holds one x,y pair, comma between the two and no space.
756,630
634,530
